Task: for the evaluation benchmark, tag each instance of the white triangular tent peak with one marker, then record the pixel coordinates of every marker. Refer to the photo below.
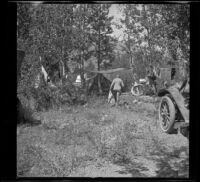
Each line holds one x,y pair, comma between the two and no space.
44,73
78,79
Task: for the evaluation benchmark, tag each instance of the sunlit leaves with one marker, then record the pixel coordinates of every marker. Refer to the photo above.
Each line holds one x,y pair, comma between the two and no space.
156,27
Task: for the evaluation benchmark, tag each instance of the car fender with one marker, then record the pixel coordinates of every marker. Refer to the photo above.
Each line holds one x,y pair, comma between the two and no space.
179,100
163,92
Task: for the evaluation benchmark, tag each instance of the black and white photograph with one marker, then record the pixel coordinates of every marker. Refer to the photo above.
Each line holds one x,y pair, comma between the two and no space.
103,90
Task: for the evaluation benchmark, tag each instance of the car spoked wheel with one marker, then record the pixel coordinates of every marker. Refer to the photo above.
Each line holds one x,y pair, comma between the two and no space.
167,114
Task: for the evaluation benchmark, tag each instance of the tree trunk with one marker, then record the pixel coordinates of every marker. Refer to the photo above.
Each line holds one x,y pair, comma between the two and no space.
148,40
99,51
62,59
83,29
99,61
82,70
99,85
129,49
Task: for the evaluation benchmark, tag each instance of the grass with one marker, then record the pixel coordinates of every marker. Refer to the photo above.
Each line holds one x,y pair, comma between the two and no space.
70,138
89,130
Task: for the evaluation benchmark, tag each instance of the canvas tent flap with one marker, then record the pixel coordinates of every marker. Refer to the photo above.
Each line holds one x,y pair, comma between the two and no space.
106,71
122,73
106,77
93,83
110,74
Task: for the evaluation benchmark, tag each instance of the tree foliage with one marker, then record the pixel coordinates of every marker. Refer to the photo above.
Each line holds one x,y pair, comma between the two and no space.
65,34
74,34
100,33
155,34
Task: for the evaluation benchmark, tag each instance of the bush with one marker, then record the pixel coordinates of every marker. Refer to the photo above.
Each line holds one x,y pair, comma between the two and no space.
48,97
43,98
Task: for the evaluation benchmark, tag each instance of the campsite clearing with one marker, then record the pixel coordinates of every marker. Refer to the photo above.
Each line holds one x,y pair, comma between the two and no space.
97,140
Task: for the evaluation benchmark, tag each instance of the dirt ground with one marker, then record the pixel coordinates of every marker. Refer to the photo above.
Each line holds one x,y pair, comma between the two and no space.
100,140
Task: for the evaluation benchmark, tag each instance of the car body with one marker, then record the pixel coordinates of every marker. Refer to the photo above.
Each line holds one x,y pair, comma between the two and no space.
174,109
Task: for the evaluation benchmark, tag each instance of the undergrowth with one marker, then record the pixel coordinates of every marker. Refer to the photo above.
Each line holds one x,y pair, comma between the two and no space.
67,141
98,135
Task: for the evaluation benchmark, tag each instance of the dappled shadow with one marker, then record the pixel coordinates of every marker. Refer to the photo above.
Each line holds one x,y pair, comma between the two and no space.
133,168
173,163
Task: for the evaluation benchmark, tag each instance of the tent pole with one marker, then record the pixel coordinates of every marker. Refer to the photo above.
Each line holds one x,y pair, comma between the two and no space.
99,84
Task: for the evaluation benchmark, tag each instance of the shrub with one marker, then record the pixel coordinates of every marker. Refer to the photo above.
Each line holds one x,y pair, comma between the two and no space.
42,95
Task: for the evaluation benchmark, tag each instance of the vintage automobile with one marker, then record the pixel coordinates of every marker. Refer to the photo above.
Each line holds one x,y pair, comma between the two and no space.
174,109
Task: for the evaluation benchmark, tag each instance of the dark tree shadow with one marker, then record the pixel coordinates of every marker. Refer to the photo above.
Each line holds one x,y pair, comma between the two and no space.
171,164
130,167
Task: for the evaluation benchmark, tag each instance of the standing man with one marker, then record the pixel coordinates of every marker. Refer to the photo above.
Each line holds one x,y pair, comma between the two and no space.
116,88
152,78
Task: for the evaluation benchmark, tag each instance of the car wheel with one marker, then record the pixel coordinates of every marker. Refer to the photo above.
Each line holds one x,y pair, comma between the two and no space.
137,90
167,113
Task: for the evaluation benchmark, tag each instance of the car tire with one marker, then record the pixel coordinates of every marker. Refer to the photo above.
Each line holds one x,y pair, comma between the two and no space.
167,114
